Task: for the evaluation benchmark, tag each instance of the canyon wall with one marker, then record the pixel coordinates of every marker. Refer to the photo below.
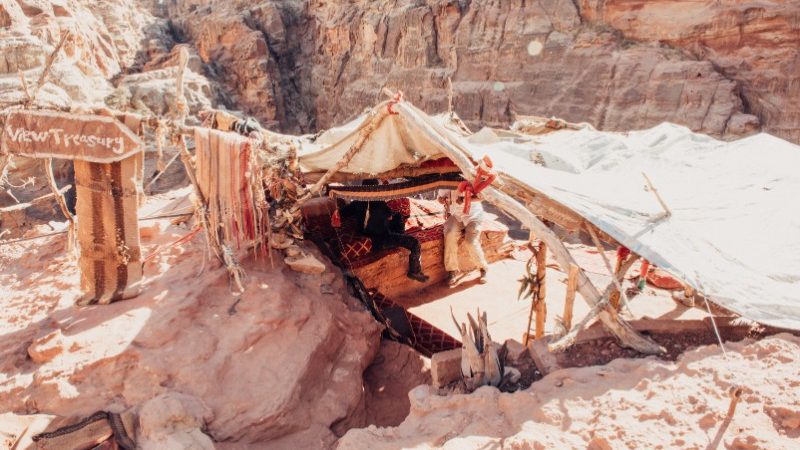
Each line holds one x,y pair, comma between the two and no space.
723,68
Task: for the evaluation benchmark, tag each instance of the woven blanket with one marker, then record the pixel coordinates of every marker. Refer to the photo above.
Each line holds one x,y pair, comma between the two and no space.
108,229
228,175
426,338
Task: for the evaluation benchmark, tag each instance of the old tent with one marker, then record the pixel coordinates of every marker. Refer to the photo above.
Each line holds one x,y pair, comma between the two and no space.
734,229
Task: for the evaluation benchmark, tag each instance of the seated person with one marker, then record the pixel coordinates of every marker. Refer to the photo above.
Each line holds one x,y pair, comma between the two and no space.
458,223
387,230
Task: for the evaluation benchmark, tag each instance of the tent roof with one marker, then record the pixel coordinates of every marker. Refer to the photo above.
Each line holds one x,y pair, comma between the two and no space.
734,233
394,143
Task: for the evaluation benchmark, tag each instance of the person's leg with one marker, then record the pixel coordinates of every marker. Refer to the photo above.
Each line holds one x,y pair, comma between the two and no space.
415,256
473,238
452,233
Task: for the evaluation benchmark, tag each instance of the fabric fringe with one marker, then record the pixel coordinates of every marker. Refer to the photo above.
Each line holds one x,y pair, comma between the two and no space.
228,177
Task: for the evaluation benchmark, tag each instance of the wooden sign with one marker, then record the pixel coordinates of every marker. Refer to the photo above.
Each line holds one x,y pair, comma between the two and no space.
51,134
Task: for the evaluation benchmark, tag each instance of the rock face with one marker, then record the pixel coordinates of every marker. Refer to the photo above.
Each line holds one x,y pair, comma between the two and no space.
720,68
754,43
284,367
642,403
106,39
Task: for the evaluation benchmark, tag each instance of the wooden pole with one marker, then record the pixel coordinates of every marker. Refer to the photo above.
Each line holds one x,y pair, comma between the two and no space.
450,96
667,212
596,311
181,106
621,329
34,202
62,203
541,305
25,89
47,67
615,294
617,283
365,131
569,302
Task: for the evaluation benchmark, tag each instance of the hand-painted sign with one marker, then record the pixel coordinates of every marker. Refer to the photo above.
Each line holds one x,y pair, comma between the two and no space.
50,134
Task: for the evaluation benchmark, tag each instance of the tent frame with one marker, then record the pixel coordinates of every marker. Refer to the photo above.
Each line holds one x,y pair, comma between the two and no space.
504,194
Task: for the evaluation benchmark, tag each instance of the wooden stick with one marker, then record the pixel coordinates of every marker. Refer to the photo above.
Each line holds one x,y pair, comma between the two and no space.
62,203
667,212
541,305
161,172
36,201
378,115
180,99
47,67
24,82
628,336
450,95
736,395
617,283
596,311
569,302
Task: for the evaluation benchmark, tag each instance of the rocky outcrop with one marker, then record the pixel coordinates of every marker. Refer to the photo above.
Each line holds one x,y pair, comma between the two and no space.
721,68
754,43
106,38
304,65
283,366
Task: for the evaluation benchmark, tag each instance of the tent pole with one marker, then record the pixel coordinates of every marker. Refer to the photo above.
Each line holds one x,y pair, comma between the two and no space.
569,301
378,115
541,305
621,329
569,339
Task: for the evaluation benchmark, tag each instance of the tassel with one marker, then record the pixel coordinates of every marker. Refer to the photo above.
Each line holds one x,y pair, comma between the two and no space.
336,219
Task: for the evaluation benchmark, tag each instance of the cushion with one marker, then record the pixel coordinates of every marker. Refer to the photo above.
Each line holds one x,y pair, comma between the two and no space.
400,205
354,246
430,234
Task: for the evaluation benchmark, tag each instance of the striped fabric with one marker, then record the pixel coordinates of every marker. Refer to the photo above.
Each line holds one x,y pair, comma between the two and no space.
397,190
108,229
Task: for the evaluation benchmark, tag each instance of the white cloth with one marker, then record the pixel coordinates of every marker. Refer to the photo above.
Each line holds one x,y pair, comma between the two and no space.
453,230
734,232
455,206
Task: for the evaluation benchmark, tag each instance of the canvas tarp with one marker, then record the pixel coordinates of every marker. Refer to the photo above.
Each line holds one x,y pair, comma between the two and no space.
734,233
395,142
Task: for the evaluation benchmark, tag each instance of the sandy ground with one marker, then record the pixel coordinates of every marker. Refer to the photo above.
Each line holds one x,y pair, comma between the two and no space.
627,404
508,317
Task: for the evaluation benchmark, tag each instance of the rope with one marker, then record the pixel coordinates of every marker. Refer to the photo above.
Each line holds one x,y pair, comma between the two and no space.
180,241
15,241
56,233
716,330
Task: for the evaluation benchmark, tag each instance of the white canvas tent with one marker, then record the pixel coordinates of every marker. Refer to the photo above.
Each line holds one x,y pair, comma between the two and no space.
734,232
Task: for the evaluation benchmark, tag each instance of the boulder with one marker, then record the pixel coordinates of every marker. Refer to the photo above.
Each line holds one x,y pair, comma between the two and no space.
305,264
174,422
47,347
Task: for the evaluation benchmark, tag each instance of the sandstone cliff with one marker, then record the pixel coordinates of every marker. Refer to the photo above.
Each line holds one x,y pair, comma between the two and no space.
306,65
723,68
